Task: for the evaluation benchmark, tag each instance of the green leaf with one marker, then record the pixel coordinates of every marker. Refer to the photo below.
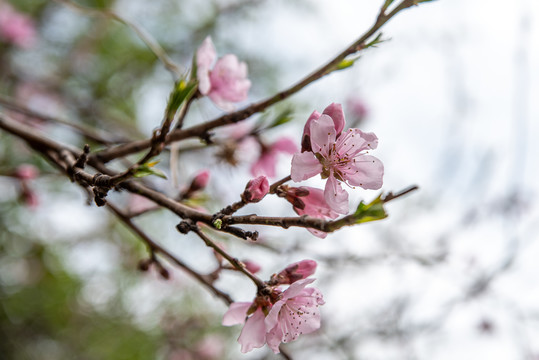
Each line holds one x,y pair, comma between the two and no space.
377,40
346,63
148,169
282,118
370,212
183,91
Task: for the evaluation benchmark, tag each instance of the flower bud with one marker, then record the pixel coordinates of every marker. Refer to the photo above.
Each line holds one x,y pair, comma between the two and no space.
296,271
256,189
200,181
252,266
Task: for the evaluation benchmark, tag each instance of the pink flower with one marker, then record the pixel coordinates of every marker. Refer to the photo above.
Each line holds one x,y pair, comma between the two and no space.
276,316
256,189
337,155
357,108
295,313
310,201
26,172
253,334
227,82
16,28
265,165
297,271
211,347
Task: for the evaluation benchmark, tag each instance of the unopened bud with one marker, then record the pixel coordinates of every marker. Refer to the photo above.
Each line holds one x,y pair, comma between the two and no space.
252,266
256,189
200,181
165,274
297,271
144,264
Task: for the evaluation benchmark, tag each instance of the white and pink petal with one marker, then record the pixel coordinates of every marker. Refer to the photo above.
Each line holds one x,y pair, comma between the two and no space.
304,166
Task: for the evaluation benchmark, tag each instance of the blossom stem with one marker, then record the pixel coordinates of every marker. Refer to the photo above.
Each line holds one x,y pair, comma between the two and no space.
154,247
233,261
278,183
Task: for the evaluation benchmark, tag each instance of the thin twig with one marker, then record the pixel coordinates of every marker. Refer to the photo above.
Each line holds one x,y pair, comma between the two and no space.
233,261
86,131
159,249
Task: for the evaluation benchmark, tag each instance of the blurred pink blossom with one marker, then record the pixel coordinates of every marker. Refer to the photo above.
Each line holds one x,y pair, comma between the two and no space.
357,108
26,172
294,314
139,204
29,197
256,189
227,82
266,163
16,28
339,157
211,347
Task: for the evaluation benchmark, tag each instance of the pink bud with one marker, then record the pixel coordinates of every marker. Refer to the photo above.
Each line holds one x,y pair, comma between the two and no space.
256,189
16,28
252,266
200,181
26,172
297,271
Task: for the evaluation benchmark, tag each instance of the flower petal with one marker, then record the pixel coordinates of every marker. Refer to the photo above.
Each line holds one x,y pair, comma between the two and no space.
286,145
335,112
336,196
205,57
368,172
307,129
229,79
322,135
317,233
295,288
304,166
253,334
265,165
236,313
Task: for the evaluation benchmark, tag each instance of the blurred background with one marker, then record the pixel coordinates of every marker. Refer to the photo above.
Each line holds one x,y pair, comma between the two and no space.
451,94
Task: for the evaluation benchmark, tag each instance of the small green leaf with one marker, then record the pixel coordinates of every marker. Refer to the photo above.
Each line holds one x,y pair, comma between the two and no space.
370,212
218,223
194,69
282,118
182,91
346,63
148,169
377,40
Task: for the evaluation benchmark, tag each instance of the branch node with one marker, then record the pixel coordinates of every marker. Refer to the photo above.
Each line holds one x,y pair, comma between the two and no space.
83,158
185,226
